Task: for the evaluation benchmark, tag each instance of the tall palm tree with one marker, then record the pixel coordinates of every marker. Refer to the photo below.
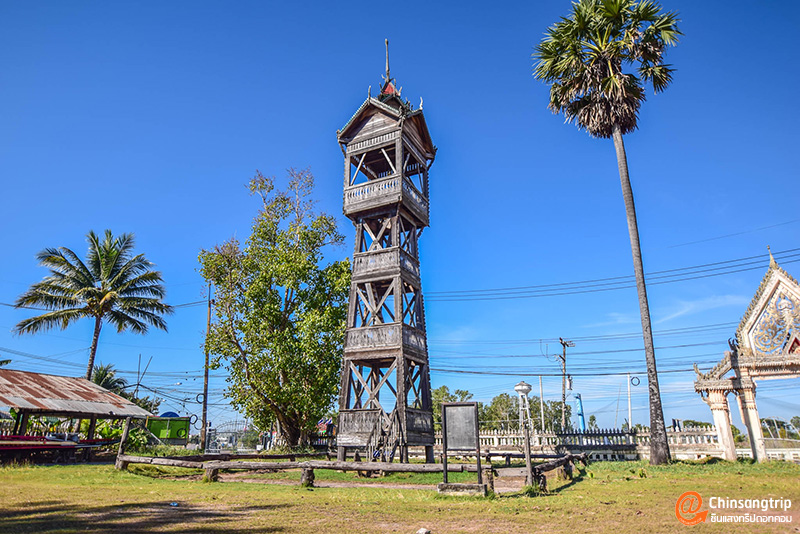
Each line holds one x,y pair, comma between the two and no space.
106,377
583,57
112,286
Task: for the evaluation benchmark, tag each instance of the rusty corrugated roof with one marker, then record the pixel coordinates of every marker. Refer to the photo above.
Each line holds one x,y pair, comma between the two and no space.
51,394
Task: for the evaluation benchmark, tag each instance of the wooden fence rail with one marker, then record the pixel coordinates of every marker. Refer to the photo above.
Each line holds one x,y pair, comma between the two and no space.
212,467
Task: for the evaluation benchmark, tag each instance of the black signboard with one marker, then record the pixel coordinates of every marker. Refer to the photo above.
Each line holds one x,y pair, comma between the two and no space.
460,432
462,427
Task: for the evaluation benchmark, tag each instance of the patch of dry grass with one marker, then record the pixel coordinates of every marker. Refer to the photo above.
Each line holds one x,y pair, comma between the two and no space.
627,497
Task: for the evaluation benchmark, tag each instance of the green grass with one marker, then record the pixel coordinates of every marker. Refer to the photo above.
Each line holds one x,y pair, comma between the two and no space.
626,497
322,475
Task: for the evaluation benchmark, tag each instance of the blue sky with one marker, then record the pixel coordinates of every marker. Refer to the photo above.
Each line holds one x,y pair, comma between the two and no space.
150,117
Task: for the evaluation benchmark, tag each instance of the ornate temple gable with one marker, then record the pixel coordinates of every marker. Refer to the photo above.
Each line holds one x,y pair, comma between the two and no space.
371,110
772,321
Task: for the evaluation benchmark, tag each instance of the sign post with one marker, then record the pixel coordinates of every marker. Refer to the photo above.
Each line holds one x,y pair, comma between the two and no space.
460,433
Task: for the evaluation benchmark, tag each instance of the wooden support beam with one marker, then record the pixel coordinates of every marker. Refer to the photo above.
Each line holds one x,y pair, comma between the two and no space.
391,164
92,427
23,423
151,460
211,475
121,464
358,168
488,477
307,477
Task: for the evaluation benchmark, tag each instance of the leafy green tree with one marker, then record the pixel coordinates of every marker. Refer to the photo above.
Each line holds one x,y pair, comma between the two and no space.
552,414
592,425
112,286
4,362
778,428
280,310
738,437
441,395
584,58
502,413
695,424
151,404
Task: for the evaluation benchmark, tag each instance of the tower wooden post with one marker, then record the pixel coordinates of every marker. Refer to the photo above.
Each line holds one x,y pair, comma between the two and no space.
385,397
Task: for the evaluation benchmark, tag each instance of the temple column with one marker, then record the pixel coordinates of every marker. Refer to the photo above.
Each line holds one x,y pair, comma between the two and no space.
718,402
747,407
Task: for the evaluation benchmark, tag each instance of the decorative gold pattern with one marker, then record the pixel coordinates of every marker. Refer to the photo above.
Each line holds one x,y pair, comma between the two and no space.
777,323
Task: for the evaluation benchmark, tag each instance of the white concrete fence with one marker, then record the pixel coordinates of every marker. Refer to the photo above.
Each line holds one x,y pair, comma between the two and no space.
690,443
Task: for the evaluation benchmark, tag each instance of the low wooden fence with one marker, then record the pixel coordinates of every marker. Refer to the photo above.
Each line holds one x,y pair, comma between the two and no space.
212,467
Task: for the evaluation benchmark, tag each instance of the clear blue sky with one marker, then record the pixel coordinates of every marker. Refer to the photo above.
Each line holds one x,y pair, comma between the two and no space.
150,117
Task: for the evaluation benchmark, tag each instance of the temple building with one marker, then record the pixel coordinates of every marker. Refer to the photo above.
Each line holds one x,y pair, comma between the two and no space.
766,347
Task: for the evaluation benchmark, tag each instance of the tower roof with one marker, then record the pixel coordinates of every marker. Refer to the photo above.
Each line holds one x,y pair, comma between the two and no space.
389,102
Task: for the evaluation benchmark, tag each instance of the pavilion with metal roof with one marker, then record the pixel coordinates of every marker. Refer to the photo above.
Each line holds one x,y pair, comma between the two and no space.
61,396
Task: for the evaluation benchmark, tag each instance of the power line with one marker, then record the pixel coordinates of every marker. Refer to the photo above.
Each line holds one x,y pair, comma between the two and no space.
528,374
734,234
614,283
47,358
584,339
176,306
582,353
703,267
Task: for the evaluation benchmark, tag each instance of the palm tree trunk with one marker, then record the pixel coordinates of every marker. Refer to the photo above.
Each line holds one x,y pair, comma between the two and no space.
659,446
98,323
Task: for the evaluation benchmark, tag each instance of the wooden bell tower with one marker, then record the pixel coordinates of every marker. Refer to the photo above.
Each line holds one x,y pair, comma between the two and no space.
385,396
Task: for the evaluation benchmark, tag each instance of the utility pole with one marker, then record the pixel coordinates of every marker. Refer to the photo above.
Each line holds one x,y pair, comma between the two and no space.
203,431
541,402
563,357
630,414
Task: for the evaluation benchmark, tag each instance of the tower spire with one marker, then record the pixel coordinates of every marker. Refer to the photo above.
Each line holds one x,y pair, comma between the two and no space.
387,60
772,262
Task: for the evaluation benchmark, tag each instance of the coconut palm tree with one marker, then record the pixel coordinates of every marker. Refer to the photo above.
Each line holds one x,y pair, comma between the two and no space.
113,286
597,62
106,377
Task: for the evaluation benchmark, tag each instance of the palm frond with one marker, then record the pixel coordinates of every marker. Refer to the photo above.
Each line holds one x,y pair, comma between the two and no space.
119,257
63,261
123,321
134,305
49,297
129,270
59,318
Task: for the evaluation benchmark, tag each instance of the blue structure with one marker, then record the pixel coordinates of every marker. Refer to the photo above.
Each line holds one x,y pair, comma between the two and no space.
581,420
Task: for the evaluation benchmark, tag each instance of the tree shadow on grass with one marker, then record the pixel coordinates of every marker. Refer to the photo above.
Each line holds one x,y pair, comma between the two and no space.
156,516
577,477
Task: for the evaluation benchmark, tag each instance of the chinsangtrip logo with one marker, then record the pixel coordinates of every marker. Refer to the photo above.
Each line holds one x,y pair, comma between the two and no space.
687,510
